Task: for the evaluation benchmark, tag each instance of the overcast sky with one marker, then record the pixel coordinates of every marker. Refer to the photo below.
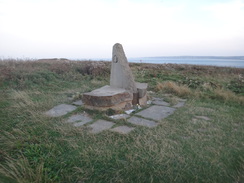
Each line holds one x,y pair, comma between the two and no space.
89,28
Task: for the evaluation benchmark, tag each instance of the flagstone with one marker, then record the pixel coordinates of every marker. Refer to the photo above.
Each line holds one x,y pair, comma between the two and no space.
179,104
142,122
78,102
122,129
100,126
156,112
120,116
160,101
79,119
60,110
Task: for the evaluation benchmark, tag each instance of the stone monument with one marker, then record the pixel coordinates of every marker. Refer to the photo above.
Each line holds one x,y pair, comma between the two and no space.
123,91
121,75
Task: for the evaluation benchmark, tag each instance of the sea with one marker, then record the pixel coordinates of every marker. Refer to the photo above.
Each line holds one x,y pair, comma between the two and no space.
236,61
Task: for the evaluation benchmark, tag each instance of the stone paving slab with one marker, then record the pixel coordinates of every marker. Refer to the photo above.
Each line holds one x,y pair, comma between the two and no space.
60,110
182,100
78,102
100,126
157,112
180,104
79,119
120,116
142,122
130,111
203,117
159,101
122,129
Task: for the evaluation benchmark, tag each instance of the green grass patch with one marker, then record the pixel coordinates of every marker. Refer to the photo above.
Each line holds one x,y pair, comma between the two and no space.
183,148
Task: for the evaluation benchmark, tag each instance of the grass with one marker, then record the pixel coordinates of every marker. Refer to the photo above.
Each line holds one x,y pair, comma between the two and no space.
183,148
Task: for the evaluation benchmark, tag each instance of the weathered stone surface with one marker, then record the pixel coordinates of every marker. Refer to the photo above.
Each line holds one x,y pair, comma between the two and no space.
108,96
157,112
100,126
81,123
78,102
79,119
141,89
182,100
179,104
129,111
122,129
203,117
143,101
142,122
60,110
121,75
159,101
135,100
119,116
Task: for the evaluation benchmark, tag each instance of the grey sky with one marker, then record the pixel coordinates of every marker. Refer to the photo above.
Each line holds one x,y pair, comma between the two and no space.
88,29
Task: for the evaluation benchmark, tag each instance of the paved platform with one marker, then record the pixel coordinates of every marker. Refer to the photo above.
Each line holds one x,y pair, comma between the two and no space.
149,117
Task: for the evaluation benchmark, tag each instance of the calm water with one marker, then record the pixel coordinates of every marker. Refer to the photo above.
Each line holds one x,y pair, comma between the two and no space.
228,62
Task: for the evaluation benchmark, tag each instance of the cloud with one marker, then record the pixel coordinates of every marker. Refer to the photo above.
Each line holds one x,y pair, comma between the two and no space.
82,28
229,17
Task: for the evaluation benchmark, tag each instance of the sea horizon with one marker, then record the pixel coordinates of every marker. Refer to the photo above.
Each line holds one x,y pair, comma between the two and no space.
221,61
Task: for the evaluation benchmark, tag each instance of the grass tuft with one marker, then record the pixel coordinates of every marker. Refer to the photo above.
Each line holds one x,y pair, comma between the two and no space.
22,171
227,96
174,88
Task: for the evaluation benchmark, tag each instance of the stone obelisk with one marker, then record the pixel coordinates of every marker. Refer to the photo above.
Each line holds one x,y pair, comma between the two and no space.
121,75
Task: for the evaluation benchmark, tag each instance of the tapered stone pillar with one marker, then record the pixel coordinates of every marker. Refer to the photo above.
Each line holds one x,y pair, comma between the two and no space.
121,75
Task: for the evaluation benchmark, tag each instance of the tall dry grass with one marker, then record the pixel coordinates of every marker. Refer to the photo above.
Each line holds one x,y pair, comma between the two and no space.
220,94
22,171
174,88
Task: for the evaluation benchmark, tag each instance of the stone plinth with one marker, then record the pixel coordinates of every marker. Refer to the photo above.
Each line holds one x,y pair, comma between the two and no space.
141,93
108,97
141,89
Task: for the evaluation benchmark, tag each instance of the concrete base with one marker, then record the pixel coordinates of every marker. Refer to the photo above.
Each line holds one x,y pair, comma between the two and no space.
108,97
